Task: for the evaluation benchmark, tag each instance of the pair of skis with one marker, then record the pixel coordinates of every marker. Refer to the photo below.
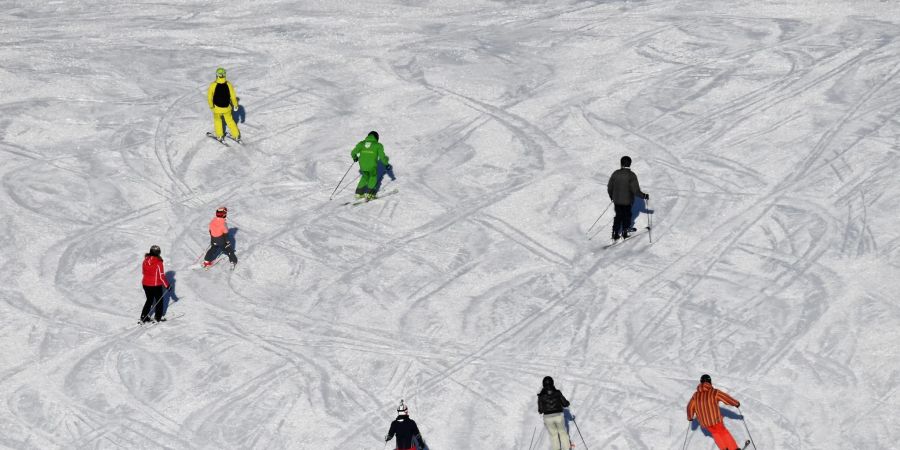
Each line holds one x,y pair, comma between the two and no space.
213,136
150,323
630,237
367,200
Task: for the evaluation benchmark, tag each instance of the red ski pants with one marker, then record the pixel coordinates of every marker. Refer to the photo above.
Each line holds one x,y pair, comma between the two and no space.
722,437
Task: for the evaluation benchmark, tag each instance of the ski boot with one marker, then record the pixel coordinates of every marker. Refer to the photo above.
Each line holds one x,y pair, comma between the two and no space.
370,197
615,236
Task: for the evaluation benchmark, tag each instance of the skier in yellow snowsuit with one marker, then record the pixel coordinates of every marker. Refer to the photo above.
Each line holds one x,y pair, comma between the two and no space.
222,98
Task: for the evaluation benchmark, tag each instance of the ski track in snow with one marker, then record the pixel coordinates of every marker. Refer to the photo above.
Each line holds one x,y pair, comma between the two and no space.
766,134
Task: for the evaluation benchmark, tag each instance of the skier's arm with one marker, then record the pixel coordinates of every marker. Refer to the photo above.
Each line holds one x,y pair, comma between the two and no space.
209,94
354,154
234,100
609,185
565,402
723,397
540,409
162,275
690,408
384,156
636,187
391,432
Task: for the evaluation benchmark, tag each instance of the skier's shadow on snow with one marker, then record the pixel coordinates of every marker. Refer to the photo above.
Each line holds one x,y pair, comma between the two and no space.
170,296
639,206
726,413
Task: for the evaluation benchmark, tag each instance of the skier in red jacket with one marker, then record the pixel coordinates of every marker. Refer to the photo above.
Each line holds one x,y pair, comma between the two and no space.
154,281
704,405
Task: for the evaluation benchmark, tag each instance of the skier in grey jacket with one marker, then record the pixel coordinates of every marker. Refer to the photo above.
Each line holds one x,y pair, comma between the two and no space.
623,187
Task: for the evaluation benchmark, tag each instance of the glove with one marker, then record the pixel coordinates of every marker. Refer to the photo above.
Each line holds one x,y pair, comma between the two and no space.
646,196
388,167
236,108
387,437
355,159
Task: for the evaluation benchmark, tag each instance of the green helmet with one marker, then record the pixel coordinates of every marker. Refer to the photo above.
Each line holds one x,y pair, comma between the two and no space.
220,73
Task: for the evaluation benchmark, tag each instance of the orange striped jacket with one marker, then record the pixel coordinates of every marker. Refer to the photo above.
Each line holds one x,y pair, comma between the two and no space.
704,405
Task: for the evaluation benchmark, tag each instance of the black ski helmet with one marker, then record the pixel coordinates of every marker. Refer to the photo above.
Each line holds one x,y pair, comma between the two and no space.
221,211
548,382
706,379
374,134
154,250
625,161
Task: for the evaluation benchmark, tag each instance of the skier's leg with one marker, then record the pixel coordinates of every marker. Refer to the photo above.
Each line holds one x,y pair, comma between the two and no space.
212,252
229,250
550,421
361,186
723,438
563,433
217,122
371,182
232,126
617,221
147,304
157,299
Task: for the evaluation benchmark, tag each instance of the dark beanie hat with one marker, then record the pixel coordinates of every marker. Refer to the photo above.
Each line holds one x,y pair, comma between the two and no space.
374,134
626,161
705,379
548,382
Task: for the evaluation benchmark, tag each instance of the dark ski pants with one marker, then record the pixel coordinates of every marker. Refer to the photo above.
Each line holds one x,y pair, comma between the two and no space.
154,297
622,220
218,245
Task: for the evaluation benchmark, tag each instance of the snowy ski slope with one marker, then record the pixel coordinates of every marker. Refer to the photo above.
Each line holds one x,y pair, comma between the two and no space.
766,133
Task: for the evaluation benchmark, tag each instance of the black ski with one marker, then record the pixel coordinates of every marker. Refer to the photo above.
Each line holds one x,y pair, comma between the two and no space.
619,241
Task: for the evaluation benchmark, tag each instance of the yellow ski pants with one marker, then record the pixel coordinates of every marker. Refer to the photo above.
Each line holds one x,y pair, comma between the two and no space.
218,115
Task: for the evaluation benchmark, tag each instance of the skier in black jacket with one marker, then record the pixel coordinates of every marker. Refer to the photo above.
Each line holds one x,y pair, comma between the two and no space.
551,404
623,187
408,436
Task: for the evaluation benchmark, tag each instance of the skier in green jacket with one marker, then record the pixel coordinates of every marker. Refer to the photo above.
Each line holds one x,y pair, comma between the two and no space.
369,152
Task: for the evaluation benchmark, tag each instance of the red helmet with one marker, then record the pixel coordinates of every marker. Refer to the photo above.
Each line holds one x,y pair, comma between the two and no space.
221,211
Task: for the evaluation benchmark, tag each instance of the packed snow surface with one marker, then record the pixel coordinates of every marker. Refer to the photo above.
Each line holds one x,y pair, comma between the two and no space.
766,133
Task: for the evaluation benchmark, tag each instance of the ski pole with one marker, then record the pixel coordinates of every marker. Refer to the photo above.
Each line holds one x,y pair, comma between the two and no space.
202,254
342,180
686,433
601,216
531,443
154,305
579,433
747,428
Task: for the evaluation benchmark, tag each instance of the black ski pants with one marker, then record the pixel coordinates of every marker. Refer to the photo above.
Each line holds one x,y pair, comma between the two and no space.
154,297
218,245
622,220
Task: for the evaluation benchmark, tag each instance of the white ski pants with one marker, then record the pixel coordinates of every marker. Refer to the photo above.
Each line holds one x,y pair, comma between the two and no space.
556,428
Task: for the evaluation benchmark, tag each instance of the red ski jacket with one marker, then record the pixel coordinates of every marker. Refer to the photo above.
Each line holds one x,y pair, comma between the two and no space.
705,405
154,272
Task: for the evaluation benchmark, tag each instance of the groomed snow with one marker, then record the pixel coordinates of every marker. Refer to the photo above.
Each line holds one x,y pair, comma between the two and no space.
766,133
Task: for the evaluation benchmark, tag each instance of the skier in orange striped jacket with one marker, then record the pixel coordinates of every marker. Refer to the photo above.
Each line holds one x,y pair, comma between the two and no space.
704,405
